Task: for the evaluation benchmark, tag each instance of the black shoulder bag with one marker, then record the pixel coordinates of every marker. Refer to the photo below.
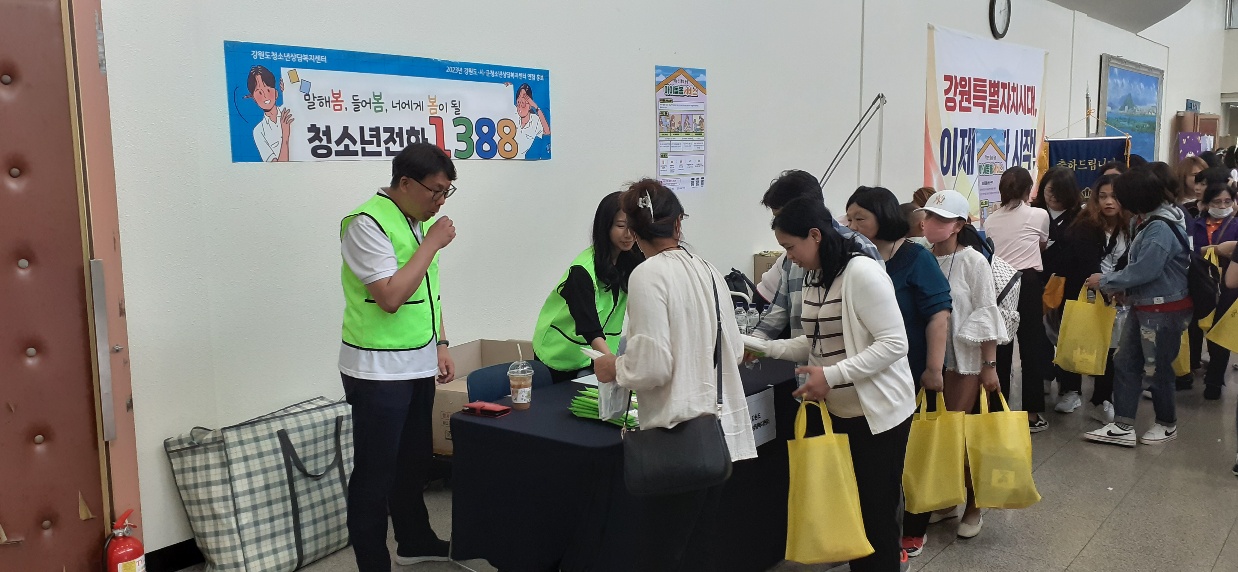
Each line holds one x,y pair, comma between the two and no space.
1203,280
687,457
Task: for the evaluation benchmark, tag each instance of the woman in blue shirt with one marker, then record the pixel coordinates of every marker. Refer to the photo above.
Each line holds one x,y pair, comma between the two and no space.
923,295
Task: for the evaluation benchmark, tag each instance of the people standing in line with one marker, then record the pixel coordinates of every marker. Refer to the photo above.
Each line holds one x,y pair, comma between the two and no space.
784,281
1189,193
392,353
586,308
1215,229
1154,282
923,296
1094,243
1195,335
673,321
1020,232
856,347
976,325
1059,195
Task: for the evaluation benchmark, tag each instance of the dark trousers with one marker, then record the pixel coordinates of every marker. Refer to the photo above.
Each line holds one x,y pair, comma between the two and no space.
1196,339
392,448
1033,345
1218,362
1102,389
677,532
878,462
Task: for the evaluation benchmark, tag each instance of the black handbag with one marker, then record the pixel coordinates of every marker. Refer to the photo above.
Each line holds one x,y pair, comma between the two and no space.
688,457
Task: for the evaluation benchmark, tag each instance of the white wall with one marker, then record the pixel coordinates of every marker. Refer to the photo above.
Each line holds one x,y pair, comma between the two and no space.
232,269
1229,77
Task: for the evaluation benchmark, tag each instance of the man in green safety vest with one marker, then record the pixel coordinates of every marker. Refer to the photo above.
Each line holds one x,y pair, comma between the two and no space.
392,353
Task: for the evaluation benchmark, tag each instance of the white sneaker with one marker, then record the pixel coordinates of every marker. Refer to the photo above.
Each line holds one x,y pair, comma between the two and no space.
1113,435
1147,394
1102,413
1159,434
1068,402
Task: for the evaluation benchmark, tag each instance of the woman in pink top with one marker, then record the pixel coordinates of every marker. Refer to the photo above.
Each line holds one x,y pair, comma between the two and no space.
1019,233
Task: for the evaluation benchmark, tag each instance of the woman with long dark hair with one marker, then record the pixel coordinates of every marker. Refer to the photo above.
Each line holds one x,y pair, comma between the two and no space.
855,345
1094,243
586,308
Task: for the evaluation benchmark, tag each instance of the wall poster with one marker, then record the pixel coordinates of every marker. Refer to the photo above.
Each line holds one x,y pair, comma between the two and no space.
679,97
1130,103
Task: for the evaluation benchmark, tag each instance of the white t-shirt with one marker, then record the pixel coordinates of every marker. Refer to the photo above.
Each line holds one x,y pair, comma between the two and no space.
525,134
371,257
1017,234
269,137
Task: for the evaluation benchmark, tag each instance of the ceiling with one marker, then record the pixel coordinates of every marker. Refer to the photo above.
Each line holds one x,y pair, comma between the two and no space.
1131,15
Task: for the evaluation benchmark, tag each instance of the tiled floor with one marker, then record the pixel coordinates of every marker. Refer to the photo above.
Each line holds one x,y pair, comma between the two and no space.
1171,508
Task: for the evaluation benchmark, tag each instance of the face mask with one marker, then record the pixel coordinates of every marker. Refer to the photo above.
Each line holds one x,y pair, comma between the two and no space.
1220,213
936,231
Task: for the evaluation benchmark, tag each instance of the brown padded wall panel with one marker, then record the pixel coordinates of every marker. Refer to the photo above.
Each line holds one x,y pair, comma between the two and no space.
49,449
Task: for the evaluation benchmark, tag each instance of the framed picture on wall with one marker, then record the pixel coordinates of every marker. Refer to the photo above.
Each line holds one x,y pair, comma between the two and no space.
1130,102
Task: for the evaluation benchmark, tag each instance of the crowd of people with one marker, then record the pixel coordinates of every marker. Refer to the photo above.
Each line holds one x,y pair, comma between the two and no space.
873,306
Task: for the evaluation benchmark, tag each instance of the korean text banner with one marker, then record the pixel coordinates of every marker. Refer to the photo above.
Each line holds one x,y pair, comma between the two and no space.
1086,156
983,113
290,103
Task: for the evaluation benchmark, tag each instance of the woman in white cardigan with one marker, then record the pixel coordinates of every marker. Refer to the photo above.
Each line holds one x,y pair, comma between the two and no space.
856,349
672,326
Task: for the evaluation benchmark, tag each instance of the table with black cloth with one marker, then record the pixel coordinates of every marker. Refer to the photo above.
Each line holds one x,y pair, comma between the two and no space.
541,489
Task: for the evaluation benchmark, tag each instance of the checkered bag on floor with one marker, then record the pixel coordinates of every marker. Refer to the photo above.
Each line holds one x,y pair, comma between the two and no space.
270,494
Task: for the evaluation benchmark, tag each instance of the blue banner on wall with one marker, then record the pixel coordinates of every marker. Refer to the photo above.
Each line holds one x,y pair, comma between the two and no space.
289,103
1086,156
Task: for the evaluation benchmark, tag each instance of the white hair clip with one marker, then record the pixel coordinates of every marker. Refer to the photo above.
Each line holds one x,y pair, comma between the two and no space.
647,202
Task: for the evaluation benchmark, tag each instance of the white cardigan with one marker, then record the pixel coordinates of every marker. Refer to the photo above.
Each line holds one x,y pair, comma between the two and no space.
876,343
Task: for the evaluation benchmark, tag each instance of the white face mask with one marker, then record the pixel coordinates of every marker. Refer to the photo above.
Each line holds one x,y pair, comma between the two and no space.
1220,213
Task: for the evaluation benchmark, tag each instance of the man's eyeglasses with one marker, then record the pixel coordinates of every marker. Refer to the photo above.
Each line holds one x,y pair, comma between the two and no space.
451,190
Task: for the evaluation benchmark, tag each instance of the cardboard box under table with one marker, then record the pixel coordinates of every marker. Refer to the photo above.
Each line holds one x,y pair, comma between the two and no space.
450,398
543,490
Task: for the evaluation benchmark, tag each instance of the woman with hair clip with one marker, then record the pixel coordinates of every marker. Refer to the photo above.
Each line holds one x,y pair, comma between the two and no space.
1214,229
1094,243
975,323
923,296
1020,232
586,308
855,345
673,326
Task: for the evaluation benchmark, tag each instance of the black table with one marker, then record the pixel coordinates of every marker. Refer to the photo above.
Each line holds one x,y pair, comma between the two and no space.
543,490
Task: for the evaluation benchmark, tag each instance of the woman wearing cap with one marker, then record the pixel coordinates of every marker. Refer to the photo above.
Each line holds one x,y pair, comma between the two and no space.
855,346
673,327
975,323
587,306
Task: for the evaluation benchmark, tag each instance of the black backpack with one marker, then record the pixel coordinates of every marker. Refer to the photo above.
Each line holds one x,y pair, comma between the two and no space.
1203,279
737,281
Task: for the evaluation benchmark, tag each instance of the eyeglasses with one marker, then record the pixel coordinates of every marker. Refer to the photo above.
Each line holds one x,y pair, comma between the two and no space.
451,190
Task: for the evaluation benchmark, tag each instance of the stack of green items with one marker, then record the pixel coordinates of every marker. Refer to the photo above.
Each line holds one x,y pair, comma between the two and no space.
585,405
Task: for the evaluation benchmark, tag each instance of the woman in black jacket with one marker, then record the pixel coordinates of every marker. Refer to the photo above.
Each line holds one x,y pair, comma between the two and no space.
1059,194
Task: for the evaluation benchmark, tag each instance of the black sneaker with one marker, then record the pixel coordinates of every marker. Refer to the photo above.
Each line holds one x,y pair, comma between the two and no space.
440,551
1038,425
1185,383
1212,392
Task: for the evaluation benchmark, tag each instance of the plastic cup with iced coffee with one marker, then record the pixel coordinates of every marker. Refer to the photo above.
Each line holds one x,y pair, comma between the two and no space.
520,374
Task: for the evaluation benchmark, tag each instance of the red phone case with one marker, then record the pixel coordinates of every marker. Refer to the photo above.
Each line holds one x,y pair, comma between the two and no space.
486,409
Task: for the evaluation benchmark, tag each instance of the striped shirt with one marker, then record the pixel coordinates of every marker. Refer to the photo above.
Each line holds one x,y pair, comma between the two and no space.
823,321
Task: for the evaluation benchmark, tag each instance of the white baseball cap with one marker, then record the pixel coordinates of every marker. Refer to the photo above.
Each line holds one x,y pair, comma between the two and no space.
948,204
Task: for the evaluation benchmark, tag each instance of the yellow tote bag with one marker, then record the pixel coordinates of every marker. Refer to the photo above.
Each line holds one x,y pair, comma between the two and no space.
1083,340
999,451
933,473
1055,291
1225,332
1182,363
824,523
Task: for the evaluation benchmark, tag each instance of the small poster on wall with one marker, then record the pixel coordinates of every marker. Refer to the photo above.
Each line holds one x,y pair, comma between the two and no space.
679,98
289,103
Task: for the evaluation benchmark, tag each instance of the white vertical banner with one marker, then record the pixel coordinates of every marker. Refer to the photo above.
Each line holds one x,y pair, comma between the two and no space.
679,98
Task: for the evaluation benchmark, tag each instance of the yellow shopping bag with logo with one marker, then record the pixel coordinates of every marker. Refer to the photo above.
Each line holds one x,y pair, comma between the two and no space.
1182,363
824,523
1083,340
999,452
1225,332
933,473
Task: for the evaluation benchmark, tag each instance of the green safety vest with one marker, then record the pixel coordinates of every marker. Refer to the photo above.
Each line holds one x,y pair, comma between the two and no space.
415,324
555,341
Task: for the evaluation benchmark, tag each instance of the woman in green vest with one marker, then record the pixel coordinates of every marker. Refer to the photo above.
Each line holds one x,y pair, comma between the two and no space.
586,308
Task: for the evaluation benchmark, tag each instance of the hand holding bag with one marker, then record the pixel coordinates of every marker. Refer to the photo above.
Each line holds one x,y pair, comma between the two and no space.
999,451
1083,339
933,473
687,457
824,522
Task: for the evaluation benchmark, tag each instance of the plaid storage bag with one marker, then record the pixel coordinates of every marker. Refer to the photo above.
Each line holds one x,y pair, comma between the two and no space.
269,494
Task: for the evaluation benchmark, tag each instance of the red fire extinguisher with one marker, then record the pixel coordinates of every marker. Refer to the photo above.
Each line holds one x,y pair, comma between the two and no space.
122,551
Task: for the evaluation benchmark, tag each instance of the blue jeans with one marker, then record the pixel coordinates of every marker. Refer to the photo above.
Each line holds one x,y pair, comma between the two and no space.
1146,351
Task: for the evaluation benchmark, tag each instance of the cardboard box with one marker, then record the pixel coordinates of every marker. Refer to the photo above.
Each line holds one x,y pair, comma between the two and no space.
450,398
762,262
